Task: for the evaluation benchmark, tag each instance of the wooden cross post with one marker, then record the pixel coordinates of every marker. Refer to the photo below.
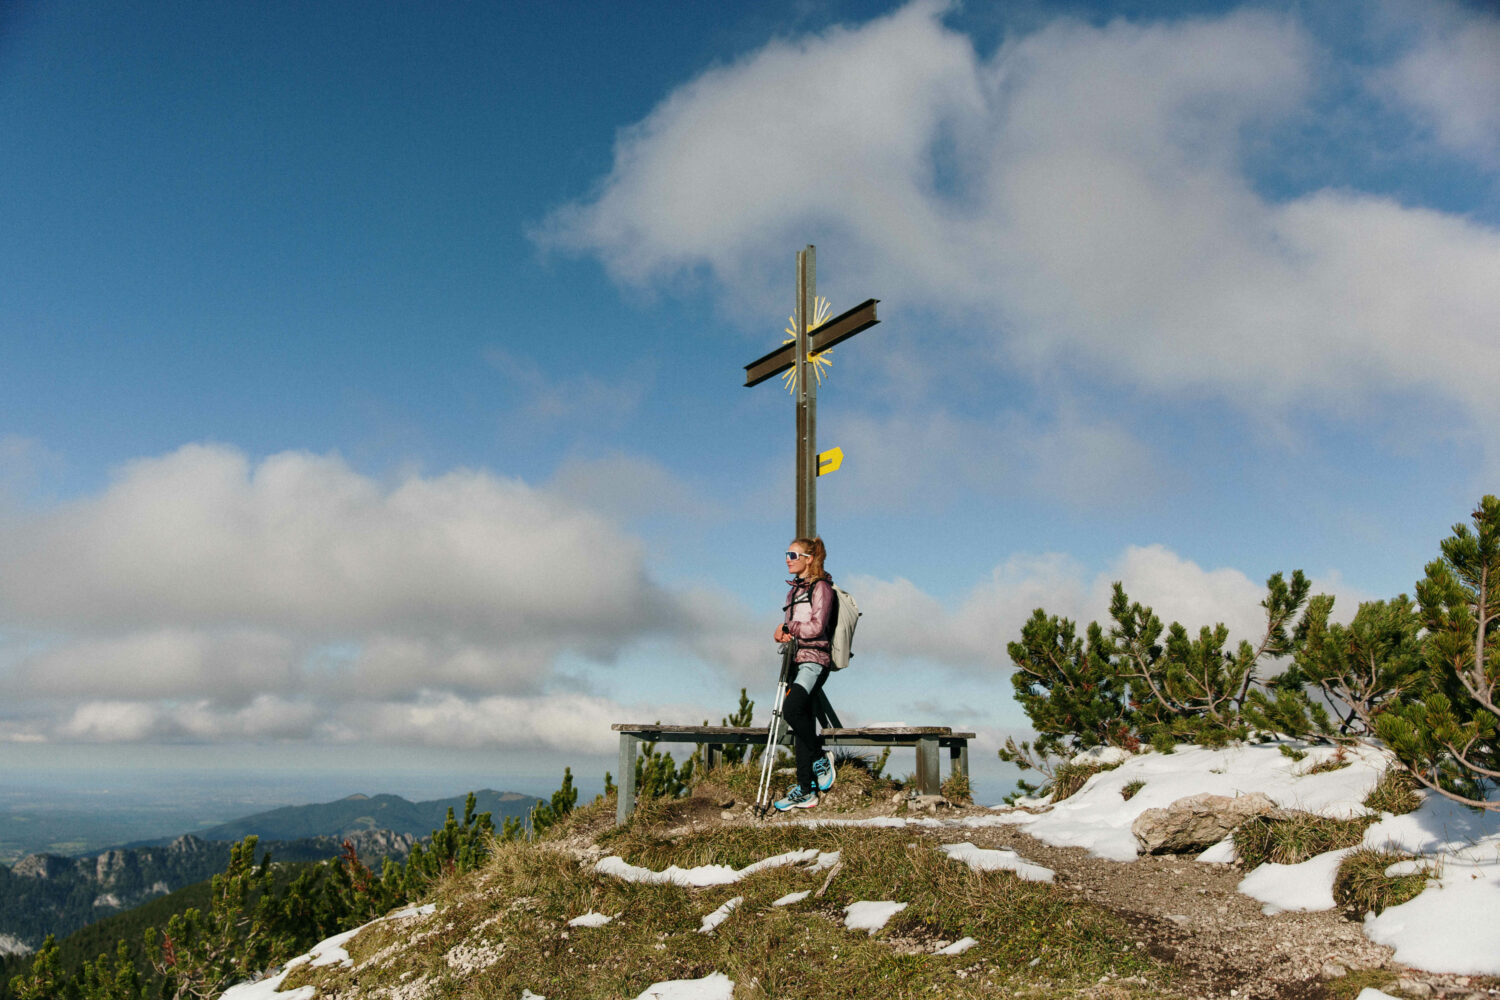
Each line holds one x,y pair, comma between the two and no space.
798,353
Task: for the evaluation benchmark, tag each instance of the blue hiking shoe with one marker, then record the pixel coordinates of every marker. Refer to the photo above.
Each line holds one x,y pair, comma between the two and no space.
823,773
796,798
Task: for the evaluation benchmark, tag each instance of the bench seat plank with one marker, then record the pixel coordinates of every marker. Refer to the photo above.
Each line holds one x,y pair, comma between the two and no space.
925,739
709,732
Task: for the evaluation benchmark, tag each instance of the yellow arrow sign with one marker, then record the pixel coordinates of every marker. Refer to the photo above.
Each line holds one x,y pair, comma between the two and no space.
830,460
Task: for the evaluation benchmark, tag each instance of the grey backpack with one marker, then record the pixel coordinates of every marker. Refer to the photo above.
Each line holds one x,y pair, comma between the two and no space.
842,641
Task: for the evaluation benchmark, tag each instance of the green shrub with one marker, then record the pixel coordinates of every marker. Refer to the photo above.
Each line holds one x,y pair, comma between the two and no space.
1447,732
1289,838
956,788
1362,885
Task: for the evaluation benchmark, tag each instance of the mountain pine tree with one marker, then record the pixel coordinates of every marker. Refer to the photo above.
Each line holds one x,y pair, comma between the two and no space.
1450,737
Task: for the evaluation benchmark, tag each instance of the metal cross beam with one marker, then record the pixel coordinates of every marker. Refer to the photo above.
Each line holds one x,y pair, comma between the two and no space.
834,331
796,355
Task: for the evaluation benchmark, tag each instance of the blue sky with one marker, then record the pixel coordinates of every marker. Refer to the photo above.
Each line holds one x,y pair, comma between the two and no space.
370,375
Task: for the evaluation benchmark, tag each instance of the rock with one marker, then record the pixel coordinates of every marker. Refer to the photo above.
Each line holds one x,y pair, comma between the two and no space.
1333,970
41,866
1196,822
930,803
1414,987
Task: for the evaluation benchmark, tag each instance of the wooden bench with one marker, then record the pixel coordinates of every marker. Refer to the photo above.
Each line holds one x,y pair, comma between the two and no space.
926,740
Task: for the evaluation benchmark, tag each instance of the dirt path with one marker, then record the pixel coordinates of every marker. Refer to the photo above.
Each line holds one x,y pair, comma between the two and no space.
1191,915
1187,913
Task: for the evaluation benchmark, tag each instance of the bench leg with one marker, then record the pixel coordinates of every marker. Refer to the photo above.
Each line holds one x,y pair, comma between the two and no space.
713,756
625,805
929,782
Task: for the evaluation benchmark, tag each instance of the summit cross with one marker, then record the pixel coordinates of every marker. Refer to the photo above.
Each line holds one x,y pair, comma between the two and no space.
799,355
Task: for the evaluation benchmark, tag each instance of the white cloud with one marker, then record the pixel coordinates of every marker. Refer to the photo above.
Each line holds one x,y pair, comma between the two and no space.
628,486
204,597
571,723
1451,77
918,456
548,399
828,127
166,662
1080,194
971,630
202,538
111,722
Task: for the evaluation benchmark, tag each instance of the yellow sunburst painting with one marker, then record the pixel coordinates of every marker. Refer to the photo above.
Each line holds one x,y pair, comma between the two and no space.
819,361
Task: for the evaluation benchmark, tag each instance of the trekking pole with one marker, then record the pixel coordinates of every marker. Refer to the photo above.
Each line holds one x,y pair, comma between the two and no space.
774,731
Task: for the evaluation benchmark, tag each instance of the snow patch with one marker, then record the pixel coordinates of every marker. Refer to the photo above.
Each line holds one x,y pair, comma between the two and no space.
1305,886
332,950
870,915
1099,818
1222,853
984,860
720,915
1453,926
705,876
1102,756
958,947
590,919
266,989
712,987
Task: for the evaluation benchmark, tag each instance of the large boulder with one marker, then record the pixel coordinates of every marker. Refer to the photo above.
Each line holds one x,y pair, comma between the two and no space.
1196,822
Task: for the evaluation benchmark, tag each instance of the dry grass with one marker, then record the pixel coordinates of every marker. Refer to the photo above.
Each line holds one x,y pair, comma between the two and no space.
503,929
1396,792
1362,885
1289,838
1071,777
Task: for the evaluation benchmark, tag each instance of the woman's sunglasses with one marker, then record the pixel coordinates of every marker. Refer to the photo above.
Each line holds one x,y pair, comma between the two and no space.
794,556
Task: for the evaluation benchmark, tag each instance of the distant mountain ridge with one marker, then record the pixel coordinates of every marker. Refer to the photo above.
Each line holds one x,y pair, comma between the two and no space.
45,894
358,813
50,894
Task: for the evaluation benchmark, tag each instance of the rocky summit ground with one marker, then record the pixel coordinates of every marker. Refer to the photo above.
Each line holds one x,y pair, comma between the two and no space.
544,918
1187,913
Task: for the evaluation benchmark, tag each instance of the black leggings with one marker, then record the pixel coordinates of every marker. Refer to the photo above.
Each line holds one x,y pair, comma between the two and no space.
798,713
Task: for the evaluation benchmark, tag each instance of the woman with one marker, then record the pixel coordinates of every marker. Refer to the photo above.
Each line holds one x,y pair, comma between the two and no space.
810,612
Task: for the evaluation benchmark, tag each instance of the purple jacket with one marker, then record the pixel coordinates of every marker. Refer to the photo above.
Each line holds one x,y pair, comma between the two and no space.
810,613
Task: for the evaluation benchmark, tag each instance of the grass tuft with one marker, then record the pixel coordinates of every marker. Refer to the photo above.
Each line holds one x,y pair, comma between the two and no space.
1362,885
1289,838
1071,777
1395,792
1131,787
956,789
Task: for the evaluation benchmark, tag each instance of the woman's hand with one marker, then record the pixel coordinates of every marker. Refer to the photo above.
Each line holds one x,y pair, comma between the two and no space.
782,635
